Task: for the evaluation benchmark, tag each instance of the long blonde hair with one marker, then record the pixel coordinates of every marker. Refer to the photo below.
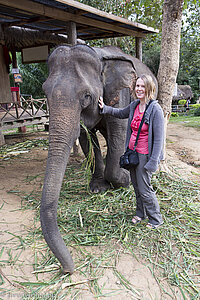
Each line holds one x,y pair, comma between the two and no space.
150,88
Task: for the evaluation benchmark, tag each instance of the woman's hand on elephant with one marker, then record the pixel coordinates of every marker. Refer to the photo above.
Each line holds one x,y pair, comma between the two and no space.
101,104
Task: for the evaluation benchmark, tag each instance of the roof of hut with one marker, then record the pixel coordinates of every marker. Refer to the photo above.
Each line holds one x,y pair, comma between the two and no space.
54,16
183,92
17,38
186,90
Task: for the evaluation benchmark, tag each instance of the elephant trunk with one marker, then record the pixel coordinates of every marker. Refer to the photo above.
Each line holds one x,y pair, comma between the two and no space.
63,130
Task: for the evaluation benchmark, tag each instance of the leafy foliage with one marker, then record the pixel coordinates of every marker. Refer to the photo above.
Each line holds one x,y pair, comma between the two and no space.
151,52
197,112
174,114
189,51
181,102
33,76
196,105
145,11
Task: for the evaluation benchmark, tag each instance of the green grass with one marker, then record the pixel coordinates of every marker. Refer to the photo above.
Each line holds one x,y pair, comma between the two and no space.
9,151
186,120
104,220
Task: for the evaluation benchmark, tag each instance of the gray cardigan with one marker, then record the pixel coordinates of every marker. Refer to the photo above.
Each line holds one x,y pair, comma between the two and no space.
155,119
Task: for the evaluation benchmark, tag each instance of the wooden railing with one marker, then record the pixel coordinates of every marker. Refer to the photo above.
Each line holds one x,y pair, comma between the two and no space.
178,108
27,111
181,108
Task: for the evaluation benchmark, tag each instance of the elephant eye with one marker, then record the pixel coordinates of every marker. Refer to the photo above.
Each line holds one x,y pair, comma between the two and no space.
87,96
86,100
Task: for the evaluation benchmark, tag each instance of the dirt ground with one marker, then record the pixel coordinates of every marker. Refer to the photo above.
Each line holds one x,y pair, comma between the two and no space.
183,151
183,156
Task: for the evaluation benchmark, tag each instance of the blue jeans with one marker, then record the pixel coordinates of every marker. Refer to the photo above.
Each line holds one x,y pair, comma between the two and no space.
146,200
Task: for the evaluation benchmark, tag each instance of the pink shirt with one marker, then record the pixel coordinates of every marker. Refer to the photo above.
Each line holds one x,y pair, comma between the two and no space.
142,146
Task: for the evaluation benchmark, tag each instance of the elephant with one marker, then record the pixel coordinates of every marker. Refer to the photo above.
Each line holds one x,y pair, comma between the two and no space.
78,76
119,76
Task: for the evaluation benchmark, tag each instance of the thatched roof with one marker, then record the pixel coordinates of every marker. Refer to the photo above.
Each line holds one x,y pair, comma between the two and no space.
183,92
16,38
180,95
186,90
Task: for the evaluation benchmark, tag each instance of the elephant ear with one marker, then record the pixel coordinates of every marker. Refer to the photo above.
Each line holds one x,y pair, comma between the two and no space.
120,71
141,68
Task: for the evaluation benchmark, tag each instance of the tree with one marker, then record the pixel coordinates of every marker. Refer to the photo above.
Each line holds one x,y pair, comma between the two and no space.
33,76
169,54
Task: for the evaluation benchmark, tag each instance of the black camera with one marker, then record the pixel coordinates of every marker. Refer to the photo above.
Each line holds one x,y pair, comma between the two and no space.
129,159
124,160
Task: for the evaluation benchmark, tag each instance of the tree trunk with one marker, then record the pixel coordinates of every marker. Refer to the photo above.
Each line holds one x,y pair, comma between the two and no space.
169,55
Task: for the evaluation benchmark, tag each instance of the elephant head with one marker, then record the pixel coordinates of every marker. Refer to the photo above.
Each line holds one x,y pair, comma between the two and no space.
78,76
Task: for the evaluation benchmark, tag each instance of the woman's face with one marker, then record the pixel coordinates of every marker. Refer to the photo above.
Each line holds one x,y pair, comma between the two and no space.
140,89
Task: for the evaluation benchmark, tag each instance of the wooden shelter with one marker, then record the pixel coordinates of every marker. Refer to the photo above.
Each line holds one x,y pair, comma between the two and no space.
183,92
56,17
30,23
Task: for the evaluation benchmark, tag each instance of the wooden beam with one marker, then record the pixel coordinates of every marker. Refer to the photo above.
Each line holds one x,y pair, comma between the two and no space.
2,139
138,48
14,60
86,8
28,21
5,92
55,13
71,33
102,35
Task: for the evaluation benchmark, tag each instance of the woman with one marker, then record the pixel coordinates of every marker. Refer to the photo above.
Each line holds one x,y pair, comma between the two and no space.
149,147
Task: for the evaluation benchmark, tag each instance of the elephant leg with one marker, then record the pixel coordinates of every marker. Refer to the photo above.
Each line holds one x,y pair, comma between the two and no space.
97,183
116,132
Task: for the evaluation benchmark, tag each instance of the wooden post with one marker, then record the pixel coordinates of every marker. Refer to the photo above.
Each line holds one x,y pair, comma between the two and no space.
15,66
72,40
71,33
138,48
5,93
2,140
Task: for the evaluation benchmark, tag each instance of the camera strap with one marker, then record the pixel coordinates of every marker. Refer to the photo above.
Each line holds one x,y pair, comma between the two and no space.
140,127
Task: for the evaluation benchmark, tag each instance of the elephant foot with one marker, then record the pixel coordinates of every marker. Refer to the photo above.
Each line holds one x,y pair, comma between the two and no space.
67,271
99,185
117,185
119,178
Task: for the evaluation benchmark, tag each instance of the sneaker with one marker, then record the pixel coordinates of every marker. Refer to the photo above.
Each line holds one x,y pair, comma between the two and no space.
136,220
153,226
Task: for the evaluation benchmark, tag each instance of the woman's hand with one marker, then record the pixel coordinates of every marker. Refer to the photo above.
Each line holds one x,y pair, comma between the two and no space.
101,104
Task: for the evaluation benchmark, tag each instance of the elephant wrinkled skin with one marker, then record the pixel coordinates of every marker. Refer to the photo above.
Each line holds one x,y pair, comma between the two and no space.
78,76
